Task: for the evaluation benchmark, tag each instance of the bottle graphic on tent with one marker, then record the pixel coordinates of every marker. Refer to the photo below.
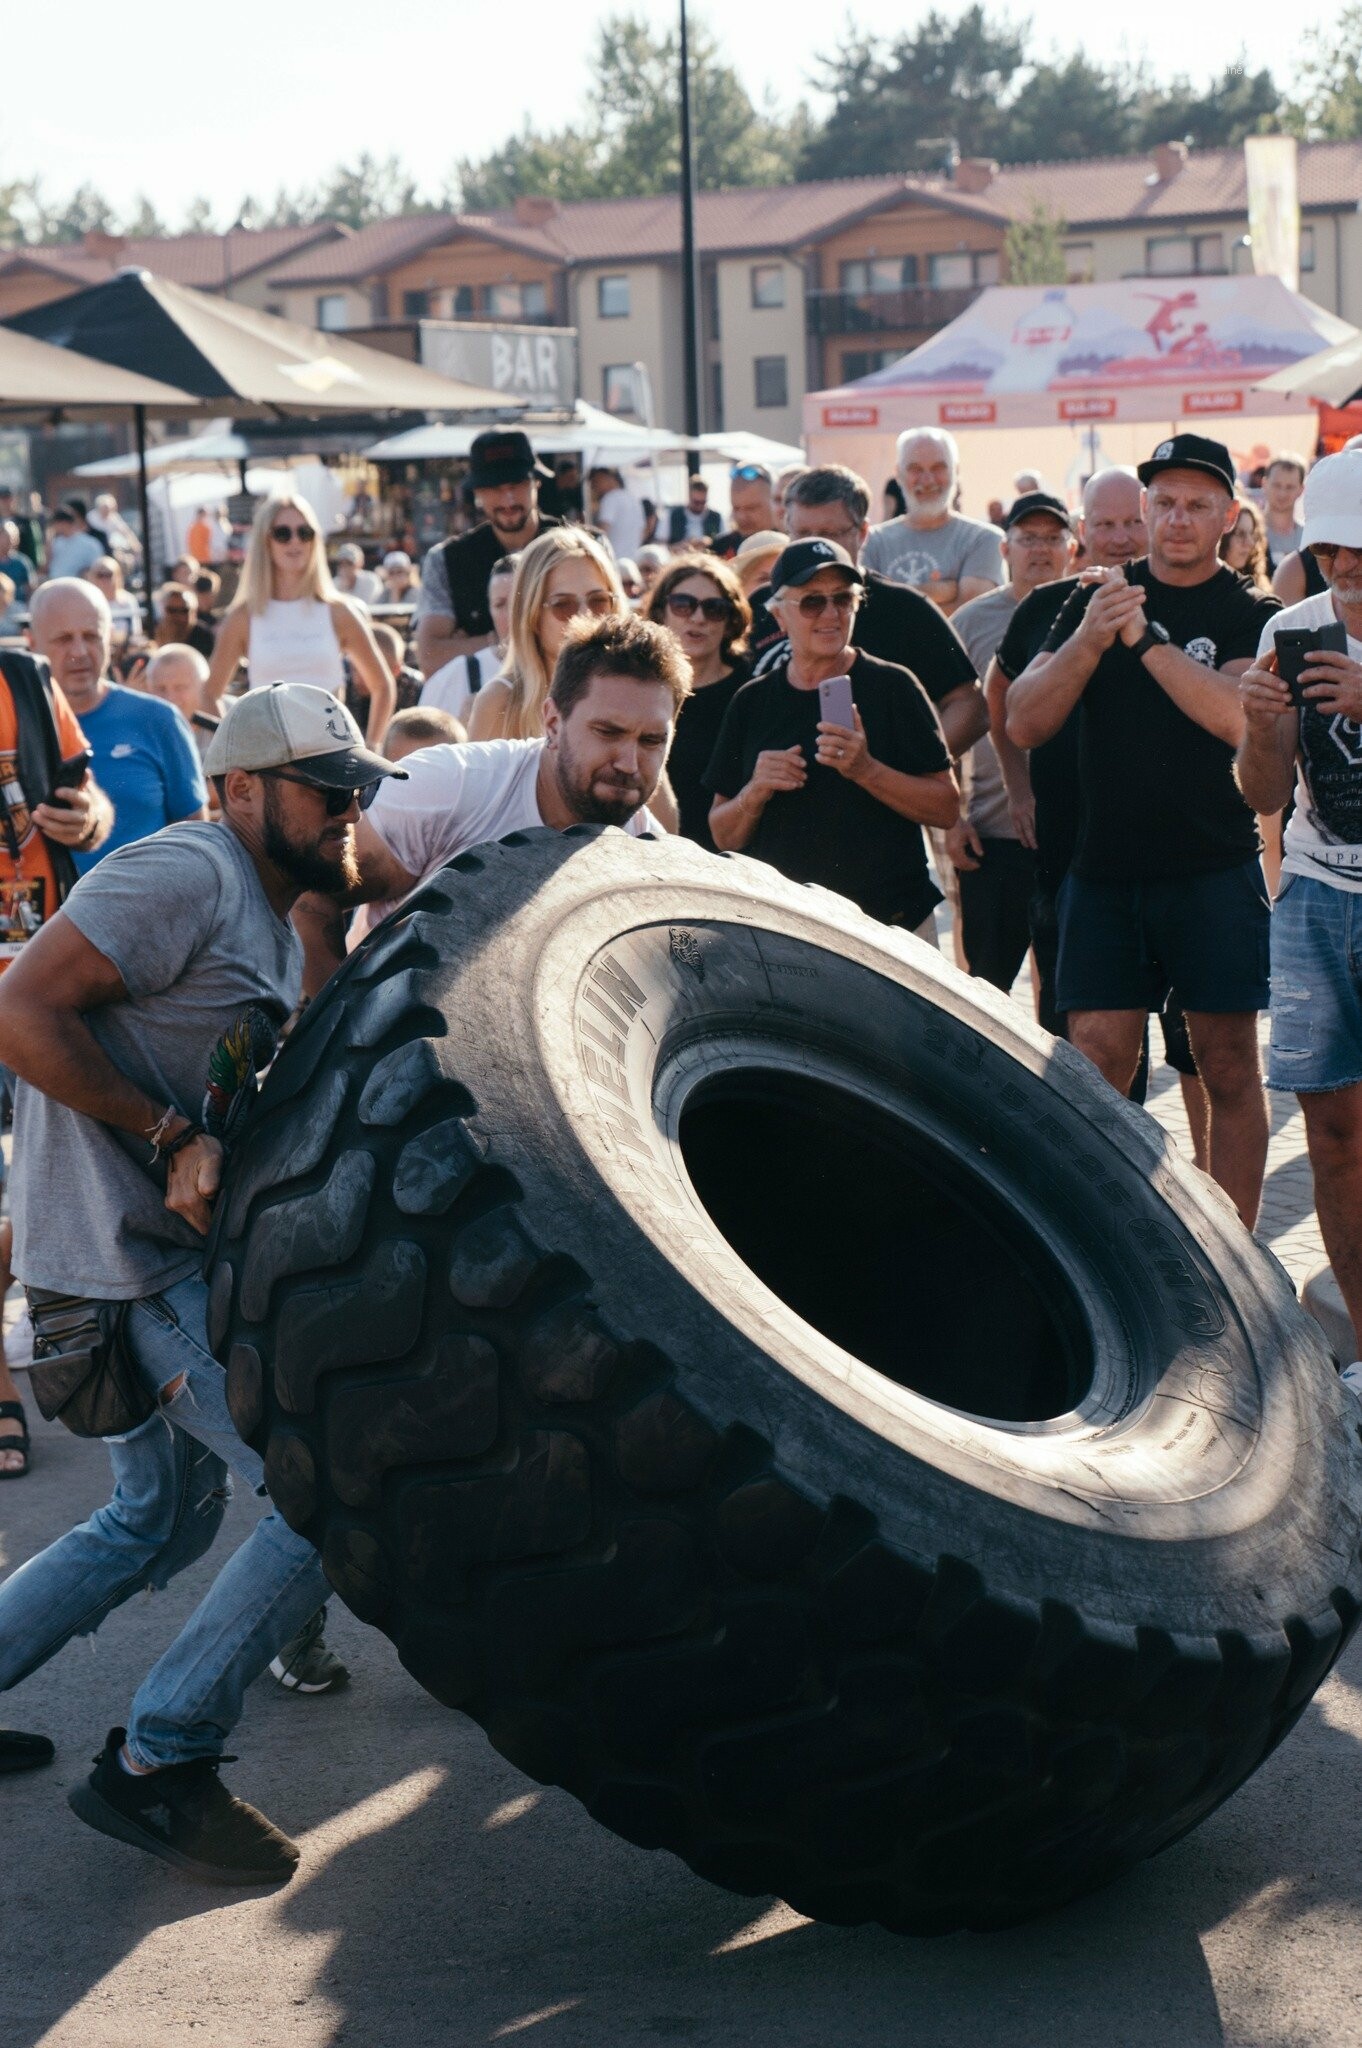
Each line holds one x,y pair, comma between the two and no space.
1040,338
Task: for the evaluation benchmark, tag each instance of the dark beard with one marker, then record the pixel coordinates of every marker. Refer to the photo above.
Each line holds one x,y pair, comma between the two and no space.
307,866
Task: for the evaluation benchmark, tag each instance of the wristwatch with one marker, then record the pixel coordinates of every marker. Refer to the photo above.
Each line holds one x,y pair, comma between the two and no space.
1154,635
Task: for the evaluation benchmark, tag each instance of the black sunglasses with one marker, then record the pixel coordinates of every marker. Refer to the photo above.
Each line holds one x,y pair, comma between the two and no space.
338,801
685,606
284,534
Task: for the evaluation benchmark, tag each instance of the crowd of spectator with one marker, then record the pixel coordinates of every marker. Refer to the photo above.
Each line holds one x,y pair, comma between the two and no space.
1123,742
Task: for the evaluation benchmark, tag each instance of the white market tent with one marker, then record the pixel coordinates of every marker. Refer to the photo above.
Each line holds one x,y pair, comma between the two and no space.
1069,378
591,431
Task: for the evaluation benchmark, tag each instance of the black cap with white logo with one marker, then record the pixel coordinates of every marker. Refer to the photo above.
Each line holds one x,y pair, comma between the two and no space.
1191,451
803,559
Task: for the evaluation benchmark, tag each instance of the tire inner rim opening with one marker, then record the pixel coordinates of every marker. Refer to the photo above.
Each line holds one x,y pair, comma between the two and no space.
887,1244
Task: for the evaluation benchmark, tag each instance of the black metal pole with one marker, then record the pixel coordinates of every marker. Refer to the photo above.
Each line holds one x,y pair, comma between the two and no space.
139,426
690,262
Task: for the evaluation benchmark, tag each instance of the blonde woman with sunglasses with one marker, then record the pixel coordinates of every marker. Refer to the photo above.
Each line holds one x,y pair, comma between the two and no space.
562,576
290,624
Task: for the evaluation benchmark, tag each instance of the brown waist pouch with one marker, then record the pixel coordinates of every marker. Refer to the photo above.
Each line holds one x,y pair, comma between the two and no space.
81,1373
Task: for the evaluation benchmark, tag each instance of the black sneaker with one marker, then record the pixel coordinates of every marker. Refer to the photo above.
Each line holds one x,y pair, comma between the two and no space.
307,1663
185,1815
24,1752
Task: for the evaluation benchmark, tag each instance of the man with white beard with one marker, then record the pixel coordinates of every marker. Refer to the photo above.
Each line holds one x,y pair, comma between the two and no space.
933,550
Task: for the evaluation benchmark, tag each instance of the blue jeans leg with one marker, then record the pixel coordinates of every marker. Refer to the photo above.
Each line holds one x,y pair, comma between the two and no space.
168,1501
192,1696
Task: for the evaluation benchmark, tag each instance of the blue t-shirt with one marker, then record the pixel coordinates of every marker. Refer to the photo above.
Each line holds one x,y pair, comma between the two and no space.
145,762
19,572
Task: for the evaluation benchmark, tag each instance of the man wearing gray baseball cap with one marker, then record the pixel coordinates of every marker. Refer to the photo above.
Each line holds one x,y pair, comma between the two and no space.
136,1031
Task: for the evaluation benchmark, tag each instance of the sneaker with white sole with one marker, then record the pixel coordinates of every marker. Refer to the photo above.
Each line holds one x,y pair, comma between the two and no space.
306,1664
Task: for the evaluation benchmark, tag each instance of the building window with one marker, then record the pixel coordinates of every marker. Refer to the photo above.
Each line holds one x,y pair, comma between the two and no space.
1241,257
1184,256
717,388
612,297
534,301
768,284
772,380
331,311
503,301
619,392
958,269
1307,248
1079,264
987,266
415,305
878,274
463,302
863,362
378,300
275,306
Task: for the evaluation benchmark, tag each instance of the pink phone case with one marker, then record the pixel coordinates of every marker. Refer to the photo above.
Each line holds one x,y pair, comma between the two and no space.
836,705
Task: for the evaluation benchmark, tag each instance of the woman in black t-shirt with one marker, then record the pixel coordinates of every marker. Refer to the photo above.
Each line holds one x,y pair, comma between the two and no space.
710,616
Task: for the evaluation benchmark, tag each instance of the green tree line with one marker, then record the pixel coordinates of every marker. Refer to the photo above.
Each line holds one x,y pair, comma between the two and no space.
971,83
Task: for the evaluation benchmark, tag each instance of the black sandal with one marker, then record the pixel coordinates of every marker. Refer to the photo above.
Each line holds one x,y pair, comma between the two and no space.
14,1411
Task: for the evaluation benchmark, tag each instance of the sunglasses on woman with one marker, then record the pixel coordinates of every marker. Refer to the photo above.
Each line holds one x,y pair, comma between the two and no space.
599,603
338,801
816,602
686,606
284,534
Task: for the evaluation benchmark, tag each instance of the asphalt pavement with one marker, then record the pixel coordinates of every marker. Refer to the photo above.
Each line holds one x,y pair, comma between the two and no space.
444,1899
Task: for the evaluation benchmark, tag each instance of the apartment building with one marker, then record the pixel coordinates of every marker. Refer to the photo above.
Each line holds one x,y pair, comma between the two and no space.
802,286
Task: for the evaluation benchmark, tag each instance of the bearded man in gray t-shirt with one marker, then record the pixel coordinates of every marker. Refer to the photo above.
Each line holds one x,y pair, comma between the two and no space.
933,550
136,1020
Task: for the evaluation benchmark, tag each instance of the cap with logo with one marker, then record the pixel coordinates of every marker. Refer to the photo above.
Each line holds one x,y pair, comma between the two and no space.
1333,501
803,559
296,725
502,455
1037,501
1190,451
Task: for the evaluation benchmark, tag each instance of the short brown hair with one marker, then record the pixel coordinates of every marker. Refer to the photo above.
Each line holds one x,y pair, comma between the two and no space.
621,644
389,639
425,724
739,621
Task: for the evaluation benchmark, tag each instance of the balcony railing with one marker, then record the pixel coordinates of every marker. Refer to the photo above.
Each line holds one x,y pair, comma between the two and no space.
916,306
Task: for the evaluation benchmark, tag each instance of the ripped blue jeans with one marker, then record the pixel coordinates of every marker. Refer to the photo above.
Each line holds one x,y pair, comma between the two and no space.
171,1487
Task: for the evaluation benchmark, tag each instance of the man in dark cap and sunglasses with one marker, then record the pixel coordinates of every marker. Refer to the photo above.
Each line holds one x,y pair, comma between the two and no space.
828,799
136,1020
451,613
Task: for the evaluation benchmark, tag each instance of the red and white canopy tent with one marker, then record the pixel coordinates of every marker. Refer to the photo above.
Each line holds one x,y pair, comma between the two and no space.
1069,378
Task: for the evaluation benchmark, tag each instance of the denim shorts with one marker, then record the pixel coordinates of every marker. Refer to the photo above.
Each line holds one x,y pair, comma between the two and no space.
1129,945
1316,987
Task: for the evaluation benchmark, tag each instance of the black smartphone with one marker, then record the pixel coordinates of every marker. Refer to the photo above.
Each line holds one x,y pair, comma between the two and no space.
1296,644
70,774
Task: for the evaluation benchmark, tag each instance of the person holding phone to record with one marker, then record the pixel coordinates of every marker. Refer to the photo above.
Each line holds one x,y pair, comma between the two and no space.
829,765
1302,702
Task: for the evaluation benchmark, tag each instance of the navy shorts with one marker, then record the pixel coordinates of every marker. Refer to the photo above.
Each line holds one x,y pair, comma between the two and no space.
1129,945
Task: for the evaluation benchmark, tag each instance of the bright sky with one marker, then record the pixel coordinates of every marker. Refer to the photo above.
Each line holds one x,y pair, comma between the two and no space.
177,100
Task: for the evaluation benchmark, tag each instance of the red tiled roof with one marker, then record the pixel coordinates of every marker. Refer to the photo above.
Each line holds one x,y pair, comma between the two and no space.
204,260
1093,191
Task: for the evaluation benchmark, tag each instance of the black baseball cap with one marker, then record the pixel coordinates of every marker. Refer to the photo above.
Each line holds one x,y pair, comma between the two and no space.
1190,451
803,559
502,456
1037,501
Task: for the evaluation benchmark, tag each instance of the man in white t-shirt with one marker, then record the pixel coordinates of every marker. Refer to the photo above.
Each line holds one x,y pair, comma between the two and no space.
618,685
1310,732
619,514
453,687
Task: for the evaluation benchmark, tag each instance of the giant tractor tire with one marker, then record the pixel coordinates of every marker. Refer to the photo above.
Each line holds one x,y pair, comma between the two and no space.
784,1397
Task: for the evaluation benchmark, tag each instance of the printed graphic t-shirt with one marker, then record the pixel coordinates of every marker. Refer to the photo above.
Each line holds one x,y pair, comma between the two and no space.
1324,837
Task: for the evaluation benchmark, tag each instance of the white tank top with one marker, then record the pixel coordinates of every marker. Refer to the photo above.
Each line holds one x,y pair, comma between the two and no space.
294,641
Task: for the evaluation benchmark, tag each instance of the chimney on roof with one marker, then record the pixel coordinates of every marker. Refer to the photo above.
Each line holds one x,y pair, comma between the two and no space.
532,209
96,243
974,173
1169,159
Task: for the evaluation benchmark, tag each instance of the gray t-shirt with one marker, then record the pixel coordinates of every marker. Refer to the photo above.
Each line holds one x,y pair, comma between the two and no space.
924,556
981,624
183,917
